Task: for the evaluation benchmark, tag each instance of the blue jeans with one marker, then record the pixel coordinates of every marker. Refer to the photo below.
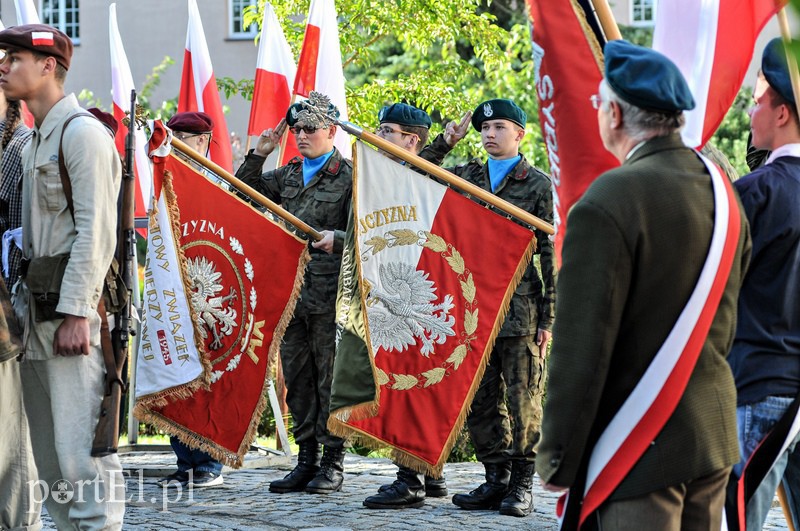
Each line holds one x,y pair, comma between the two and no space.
754,422
189,459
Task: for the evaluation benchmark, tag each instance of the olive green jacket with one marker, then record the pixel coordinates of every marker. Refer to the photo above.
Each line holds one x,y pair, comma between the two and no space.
635,244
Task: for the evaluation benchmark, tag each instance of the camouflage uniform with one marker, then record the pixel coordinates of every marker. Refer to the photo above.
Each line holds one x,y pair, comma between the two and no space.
308,346
506,414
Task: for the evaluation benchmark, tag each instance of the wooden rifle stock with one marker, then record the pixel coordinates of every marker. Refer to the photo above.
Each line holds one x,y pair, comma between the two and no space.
115,343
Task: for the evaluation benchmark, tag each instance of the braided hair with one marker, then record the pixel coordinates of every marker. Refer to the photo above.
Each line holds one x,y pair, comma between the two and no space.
13,118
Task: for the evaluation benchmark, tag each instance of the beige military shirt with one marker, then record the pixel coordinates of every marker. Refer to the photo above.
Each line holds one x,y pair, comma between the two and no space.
48,229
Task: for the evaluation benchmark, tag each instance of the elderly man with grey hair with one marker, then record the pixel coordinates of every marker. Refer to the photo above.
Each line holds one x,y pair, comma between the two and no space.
640,335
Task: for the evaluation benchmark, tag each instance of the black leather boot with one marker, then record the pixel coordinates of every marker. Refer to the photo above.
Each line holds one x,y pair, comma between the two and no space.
307,467
489,494
331,472
407,491
519,500
435,488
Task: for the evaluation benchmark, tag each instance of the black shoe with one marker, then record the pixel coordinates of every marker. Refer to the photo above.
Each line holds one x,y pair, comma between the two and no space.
330,476
407,492
206,479
435,488
519,500
307,467
176,479
490,494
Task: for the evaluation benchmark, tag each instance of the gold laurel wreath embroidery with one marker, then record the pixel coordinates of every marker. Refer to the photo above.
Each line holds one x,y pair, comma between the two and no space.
394,238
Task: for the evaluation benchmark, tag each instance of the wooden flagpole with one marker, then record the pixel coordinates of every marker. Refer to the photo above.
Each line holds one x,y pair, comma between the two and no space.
606,18
242,187
448,177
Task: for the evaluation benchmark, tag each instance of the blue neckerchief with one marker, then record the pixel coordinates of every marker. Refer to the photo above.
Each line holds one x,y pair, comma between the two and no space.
312,166
498,169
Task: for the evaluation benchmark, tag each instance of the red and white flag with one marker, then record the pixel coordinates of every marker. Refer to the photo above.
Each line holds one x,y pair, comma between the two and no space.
199,89
712,44
215,309
566,77
420,303
26,12
320,65
272,92
121,87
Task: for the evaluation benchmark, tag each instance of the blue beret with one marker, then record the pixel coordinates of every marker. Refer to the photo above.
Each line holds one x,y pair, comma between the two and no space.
299,110
776,69
498,109
646,78
191,122
404,114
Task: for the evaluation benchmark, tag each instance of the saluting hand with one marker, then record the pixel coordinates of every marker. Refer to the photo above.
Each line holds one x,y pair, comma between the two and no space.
454,132
270,139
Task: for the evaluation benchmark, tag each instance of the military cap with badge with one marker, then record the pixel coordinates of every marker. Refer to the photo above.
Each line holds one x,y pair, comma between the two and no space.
498,109
404,114
776,69
38,38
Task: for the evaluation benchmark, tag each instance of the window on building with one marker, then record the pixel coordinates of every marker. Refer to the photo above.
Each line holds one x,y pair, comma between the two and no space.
643,12
236,26
62,14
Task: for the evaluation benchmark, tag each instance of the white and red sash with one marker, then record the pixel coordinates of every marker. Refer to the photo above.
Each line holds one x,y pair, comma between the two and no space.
655,397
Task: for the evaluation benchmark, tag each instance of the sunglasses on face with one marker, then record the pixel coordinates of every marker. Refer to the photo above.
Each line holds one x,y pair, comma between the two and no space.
306,129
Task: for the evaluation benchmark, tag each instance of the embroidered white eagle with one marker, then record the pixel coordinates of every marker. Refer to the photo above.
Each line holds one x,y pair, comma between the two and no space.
214,312
404,310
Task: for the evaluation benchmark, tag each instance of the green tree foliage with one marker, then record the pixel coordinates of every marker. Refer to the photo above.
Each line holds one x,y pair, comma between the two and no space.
445,57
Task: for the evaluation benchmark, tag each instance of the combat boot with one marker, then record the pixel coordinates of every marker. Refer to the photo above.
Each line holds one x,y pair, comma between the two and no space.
489,494
407,491
330,476
435,488
307,467
519,500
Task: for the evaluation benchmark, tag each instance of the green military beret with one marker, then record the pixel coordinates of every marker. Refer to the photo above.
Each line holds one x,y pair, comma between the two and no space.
404,114
498,109
776,69
646,78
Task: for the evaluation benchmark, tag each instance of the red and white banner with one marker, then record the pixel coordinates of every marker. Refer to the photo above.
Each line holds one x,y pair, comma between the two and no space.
240,300
272,91
121,87
651,403
320,65
199,89
712,43
566,77
434,300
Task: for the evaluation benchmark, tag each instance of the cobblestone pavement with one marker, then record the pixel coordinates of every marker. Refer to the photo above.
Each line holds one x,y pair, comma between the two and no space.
244,502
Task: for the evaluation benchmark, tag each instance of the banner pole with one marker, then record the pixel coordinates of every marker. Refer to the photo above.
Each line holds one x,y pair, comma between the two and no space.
448,177
606,18
250,192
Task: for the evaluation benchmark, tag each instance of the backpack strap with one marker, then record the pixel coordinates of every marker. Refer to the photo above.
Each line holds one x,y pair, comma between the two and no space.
62,166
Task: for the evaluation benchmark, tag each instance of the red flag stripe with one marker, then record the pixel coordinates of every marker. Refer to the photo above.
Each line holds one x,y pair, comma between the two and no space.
306,77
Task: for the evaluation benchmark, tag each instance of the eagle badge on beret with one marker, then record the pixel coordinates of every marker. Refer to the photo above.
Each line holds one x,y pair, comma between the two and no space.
382,113
487,110
294,112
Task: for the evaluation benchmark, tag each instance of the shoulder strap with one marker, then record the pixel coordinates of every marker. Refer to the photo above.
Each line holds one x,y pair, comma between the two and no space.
62,166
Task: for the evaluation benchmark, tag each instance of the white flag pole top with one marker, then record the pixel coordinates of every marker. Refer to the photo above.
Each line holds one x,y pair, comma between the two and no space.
26,12
121,87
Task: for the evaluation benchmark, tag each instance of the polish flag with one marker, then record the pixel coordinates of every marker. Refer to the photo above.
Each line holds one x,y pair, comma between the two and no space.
199,89
272,93
712,44
121,87
320,64
26,14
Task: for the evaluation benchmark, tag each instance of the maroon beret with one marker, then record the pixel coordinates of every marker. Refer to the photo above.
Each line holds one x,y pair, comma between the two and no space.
107,119
39,38
191,122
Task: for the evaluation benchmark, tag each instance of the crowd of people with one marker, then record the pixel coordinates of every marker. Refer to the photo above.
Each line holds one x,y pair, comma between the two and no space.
675,319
